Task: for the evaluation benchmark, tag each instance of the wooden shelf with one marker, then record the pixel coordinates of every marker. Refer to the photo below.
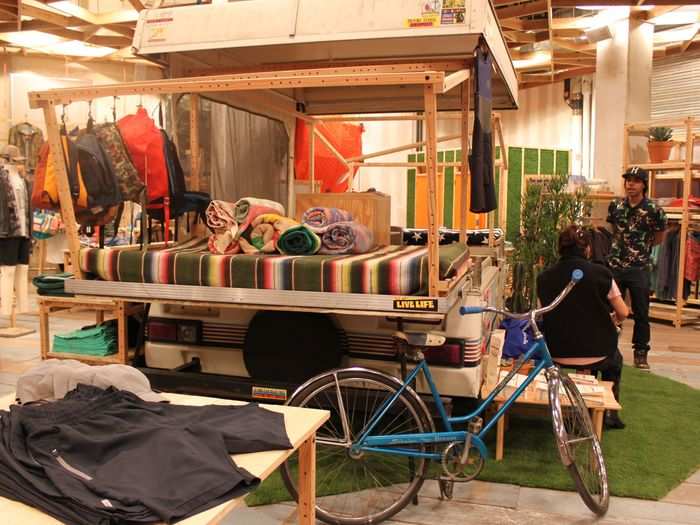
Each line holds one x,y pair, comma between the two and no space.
666,166
675,176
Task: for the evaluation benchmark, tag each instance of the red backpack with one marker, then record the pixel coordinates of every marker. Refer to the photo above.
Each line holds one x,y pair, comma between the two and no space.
144,142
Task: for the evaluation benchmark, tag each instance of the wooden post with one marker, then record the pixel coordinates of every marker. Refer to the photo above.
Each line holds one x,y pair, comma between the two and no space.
430,99
312,154
122,334
491,216
291,179
465,179
44,329
685,219
195,158
503,177
307,481
67,212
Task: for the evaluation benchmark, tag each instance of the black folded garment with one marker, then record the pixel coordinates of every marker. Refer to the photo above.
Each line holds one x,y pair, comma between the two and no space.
118,459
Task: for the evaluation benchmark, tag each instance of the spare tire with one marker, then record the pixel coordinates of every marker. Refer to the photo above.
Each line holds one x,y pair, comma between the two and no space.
291,346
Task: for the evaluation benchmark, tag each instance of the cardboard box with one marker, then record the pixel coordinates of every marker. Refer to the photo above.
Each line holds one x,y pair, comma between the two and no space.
373,209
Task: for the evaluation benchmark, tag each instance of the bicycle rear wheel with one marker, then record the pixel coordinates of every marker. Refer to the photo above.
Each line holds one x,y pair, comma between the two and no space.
579,447
357,488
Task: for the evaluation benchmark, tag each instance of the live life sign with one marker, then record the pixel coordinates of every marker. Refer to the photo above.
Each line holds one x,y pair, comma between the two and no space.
416,305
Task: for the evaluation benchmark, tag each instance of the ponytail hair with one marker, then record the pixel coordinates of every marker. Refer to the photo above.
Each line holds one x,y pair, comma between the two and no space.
574,240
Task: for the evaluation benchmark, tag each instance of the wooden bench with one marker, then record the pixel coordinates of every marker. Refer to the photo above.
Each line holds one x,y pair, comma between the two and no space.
116,308
530,400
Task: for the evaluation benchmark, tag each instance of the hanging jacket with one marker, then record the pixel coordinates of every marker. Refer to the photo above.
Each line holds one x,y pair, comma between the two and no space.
12,222
28,138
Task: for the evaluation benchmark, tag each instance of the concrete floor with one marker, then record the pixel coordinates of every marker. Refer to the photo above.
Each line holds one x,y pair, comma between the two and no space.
675,354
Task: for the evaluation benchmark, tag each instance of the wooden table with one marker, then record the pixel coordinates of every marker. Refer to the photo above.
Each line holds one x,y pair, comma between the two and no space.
301,424
117,308
529,399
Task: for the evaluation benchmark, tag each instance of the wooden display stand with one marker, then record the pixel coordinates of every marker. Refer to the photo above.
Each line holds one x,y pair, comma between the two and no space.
529,401
684,171
117,308
301,425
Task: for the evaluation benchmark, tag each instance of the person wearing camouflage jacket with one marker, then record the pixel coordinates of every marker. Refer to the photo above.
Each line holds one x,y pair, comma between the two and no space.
637,225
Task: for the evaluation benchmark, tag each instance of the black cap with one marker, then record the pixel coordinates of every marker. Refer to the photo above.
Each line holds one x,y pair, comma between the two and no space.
637,173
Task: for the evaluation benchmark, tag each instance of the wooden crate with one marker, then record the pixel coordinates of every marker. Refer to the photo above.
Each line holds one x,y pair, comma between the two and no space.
373,209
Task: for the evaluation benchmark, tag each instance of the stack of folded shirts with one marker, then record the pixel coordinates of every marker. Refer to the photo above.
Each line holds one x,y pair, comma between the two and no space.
100,340
52,285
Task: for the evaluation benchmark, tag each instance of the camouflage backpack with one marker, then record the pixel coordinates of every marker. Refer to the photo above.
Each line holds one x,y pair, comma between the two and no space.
110,139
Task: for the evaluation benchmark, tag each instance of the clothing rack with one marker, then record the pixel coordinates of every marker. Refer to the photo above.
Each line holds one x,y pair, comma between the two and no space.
683,169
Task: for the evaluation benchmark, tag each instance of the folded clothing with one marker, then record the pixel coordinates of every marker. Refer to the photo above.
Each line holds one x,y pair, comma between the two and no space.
247,209
320,217
225,242
299,240
265,232
100,340
115,458
54,378
419,236
221,215
52,284
346,237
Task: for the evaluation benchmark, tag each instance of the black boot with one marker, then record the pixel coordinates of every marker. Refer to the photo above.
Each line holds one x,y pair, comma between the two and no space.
640,361
612,420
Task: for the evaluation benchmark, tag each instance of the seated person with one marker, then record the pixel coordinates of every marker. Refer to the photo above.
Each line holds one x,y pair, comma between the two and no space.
581,332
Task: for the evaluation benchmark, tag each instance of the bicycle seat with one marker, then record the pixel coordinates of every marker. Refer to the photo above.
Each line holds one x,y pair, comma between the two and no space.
421,338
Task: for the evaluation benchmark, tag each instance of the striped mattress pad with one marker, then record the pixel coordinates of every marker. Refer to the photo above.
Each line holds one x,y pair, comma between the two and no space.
392,270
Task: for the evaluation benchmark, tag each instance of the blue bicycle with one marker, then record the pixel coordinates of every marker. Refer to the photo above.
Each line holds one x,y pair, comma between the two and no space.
375,449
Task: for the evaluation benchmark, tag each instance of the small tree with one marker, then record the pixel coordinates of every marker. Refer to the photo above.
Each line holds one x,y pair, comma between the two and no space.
547,208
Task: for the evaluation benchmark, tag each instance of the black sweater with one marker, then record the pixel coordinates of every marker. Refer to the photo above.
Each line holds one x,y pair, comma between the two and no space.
580,326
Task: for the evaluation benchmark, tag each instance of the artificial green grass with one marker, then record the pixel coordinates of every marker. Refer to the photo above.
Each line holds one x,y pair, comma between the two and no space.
657,451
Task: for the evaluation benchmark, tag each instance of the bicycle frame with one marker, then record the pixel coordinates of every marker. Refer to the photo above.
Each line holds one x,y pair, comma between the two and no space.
387,443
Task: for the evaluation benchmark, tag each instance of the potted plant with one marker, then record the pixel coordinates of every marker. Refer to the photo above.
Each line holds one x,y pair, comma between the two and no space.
660,144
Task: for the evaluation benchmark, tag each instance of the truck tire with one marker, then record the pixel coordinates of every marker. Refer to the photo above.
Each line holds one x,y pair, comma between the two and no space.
291,346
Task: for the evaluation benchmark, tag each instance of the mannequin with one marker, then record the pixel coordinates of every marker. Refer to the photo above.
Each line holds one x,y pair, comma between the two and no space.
15,236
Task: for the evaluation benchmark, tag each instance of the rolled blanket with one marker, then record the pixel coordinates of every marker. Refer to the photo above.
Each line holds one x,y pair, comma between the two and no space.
346,237
252,206
298,240
221,215
225,242
266,230
318,218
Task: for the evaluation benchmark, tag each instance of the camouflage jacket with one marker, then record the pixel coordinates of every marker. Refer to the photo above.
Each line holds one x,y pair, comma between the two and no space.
634,228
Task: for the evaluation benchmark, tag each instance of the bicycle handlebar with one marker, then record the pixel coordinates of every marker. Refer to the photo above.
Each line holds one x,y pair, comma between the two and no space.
576,276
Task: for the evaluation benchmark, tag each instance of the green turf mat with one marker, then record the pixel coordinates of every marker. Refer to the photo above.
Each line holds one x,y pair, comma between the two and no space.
657,451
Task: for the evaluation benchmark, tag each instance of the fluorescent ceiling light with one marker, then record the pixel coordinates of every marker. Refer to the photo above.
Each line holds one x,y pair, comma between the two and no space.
538,59
55,45
31,39
598,34
679,34
679,17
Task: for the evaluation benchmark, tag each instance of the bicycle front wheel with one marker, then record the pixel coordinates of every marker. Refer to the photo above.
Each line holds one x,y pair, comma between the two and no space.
360,487
579,447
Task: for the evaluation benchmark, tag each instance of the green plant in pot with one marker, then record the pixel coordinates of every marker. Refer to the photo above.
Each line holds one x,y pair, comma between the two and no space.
660,144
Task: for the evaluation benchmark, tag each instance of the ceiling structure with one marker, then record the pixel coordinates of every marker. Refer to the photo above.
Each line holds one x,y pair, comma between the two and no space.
549,40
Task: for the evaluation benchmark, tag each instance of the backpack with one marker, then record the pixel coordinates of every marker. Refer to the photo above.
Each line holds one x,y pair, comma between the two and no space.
45,189
144,143
130,185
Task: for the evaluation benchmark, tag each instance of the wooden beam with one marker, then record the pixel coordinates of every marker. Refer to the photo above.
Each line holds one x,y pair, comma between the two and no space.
571,73
246,82
568,33
41,12
685,45
516,11
539,24
551,38
136,4
397,149
454,79
98,40
465,101
512,23
195,158
520,37
588,49
430,100
122,29
64,195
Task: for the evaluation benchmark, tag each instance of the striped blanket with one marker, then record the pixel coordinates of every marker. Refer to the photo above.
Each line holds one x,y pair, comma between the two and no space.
393,270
